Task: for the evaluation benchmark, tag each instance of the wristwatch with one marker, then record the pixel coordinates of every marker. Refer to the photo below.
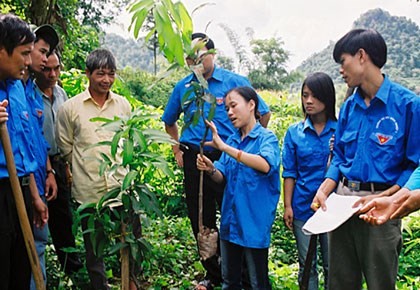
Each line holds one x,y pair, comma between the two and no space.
51,171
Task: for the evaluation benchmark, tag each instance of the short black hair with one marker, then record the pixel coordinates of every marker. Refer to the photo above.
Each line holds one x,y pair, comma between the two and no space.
100,58
248,94
47,33
14,32
199,35
368,39
322,88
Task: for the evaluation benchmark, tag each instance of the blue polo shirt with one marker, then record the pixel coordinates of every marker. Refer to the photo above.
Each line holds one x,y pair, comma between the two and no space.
250,198
219,83
414,182
379,143
19,128
41,145
305,157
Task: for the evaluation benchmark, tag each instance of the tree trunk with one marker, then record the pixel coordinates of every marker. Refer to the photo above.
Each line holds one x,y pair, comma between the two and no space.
125,265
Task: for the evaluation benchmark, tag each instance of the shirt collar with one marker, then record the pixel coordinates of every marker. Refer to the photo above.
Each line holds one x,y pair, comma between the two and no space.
384,89
87,96
382,94
217,75
330,125
253,134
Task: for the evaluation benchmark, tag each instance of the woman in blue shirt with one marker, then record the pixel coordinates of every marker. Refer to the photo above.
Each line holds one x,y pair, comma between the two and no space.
305,154
249,166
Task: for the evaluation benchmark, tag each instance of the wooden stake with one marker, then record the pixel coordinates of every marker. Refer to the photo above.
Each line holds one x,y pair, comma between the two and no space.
21,210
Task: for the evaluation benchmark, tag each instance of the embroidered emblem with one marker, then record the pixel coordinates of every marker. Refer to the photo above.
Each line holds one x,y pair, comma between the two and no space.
386,129
39,113
382,138
219,101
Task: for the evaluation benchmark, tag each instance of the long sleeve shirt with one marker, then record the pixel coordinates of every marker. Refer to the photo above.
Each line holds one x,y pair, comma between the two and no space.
378,143
75,136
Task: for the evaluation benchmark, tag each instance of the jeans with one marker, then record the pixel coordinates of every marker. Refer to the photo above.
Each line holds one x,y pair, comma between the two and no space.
256,261
302,242
61,219
41,239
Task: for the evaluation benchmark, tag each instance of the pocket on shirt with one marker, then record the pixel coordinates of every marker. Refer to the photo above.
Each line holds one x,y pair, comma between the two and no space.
348,139
308,158
381,150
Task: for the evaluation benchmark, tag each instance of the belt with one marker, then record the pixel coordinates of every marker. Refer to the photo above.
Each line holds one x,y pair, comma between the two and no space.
365,186
23,180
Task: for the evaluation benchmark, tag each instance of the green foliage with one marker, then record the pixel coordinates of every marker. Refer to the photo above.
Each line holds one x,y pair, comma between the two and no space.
225,62
271,58
129,52
173,254
148,88
173,25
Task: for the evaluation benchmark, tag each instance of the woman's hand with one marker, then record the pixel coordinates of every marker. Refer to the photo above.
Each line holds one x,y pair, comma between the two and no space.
217,142
204,164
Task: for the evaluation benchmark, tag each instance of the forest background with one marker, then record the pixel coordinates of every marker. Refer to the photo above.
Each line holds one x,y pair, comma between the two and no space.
171,261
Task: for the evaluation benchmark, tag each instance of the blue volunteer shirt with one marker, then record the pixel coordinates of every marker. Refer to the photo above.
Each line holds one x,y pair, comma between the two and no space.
219,83
19,128
41,146
378,143
250,198
305,157
414,182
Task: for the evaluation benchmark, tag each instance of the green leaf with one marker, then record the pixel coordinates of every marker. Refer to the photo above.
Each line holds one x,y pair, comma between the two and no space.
187,24
115,142
115,248
129,179
128,150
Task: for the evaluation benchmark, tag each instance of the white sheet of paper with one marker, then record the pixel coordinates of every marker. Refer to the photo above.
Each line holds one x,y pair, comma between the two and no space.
339,209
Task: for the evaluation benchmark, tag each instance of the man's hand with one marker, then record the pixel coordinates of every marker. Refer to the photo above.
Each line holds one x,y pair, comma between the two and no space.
4,116
288,217
40,213
319,201
412,203
51,187
179,157
364,200
380,209
324,190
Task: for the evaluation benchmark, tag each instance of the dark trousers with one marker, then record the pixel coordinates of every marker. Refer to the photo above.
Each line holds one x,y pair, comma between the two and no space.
61,220
234,257
15,269
358,249
95,265
212,197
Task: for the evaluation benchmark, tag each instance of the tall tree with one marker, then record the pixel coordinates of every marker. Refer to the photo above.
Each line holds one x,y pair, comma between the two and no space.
241,53
78,22
269,70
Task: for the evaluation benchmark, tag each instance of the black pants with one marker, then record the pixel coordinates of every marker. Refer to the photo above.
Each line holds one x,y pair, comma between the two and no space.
95,265
15,269
212,197
61,220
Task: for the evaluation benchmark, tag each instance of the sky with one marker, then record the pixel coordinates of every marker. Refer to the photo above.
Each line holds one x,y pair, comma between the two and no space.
305,26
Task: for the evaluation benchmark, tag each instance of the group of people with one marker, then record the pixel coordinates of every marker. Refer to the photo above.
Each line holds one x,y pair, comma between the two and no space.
52,141
369,151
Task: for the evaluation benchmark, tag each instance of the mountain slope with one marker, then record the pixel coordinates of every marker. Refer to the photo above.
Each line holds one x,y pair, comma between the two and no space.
402,37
